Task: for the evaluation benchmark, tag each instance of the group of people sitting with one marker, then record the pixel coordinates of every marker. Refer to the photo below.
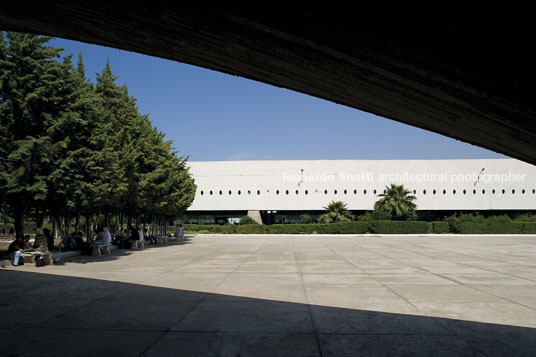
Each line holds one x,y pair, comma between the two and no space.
22,245
44,242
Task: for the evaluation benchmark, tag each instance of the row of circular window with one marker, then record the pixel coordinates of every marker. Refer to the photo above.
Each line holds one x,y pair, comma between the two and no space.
277,192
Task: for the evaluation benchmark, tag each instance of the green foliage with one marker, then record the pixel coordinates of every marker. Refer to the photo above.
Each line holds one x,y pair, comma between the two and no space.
396,203
399,227
247,220
373,227
525,218
491,227
306,218
440,227
336,211
70,147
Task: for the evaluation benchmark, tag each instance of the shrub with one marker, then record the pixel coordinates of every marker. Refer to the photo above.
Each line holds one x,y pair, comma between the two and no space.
452,222
497,228
247,220
306,218
252,229
399,227
525,218
440,227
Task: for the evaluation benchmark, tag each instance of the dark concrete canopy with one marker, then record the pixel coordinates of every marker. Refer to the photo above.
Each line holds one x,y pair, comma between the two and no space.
464,74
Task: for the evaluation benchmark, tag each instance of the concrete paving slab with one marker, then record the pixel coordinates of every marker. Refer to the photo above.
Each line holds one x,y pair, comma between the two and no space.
232,344
521,294
260,295
505,313
396,345
323,294
339,279
79,342
415,279
114,314
245,317
356,321
488,278
443,293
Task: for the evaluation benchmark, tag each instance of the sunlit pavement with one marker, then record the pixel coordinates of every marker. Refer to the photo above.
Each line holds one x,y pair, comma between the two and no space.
280,295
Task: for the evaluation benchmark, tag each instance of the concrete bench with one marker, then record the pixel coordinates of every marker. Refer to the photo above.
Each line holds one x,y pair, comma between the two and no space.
33,258
100,250
162,240
136,244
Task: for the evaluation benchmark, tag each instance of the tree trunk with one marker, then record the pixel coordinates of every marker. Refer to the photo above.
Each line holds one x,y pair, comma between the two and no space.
18,216
54,226
77,222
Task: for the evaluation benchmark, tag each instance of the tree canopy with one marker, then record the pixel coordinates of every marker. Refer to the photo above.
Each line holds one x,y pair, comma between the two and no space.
69,147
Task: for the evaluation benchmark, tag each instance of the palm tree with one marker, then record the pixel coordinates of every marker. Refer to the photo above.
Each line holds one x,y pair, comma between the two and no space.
336,212
396,202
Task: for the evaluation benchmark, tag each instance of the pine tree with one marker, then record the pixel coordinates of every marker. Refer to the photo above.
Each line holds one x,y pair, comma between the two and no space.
32,96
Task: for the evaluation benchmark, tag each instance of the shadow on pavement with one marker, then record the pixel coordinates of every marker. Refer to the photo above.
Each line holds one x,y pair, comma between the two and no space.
44,314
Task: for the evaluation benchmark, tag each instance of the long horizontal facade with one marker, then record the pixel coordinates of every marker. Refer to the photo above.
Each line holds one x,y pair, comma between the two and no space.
284,189
480,184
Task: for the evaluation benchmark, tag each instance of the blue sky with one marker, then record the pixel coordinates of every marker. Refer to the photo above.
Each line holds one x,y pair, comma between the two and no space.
215,116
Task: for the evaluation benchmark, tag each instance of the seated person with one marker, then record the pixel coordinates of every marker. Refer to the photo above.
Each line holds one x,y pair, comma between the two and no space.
118,238
180,232
14,251
41,245
151,238
40,242
71,241
103,237
27,244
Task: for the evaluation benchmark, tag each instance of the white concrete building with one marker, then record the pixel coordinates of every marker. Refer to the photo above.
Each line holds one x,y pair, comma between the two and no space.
309,185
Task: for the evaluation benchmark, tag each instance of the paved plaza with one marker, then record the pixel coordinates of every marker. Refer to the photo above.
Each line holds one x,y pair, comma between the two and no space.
280,295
